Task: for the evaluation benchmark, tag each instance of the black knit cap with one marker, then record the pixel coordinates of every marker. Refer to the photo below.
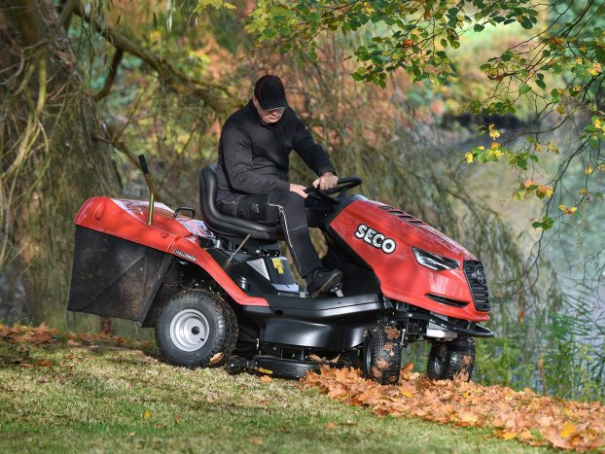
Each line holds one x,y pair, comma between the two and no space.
270,93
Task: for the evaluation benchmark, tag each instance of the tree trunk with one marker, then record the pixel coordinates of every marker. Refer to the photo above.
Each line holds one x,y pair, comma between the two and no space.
51,158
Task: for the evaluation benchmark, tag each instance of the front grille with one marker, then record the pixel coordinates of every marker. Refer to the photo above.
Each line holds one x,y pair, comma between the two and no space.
400,214
475,275
448,301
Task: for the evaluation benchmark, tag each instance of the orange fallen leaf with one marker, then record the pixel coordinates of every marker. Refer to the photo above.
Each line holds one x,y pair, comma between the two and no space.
217,358
265,379
407,369
523,415
391,332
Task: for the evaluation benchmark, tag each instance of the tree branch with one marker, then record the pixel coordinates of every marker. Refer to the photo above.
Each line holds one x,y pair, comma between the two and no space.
111,75
169,75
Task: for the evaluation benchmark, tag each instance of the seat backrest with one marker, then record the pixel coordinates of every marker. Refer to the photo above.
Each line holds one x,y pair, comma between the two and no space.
229,225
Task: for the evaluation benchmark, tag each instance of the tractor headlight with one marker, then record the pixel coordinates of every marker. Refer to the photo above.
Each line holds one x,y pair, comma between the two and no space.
434,261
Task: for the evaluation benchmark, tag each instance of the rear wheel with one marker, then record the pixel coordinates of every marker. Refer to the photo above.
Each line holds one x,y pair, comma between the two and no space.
381,354
196,329
449,359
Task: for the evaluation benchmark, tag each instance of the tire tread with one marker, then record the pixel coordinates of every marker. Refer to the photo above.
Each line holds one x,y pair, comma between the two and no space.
221,317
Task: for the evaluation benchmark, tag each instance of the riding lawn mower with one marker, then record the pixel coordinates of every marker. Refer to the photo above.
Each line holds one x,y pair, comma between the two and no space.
218,291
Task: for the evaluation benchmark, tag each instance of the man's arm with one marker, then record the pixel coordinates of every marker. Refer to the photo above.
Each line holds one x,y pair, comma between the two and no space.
236,148
311,153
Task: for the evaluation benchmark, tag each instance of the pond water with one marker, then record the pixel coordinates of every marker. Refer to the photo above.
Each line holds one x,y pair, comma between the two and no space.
575,246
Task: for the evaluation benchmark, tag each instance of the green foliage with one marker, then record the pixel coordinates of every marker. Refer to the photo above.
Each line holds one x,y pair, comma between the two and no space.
567,362
417,37
553,69
203,4
573,362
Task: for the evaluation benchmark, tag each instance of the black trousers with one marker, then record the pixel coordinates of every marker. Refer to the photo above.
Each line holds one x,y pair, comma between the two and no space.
295,215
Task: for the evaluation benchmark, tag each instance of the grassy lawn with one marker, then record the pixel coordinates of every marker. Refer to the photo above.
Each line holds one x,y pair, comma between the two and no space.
67,398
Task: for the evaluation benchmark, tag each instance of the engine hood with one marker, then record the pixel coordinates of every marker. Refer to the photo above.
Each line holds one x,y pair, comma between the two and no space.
383,237
375,220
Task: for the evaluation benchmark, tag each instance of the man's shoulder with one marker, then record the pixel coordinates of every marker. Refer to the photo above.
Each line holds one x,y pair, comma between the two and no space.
240,119
241,113
289,114
290,117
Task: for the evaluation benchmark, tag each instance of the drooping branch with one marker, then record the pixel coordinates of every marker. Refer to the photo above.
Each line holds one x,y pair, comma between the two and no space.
215,96
111,74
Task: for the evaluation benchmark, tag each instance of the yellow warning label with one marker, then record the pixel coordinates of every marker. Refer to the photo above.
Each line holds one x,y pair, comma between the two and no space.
278,265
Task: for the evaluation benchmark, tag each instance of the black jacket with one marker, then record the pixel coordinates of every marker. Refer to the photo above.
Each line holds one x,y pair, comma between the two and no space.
254,158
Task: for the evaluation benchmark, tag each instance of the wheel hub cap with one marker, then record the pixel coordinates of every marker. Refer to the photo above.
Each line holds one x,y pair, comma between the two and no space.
189,330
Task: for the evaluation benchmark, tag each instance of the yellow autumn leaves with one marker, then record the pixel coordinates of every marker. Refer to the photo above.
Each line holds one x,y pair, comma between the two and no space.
529,155
495,152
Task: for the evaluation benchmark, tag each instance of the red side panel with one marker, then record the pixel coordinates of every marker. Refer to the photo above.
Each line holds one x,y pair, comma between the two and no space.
384,241
127,219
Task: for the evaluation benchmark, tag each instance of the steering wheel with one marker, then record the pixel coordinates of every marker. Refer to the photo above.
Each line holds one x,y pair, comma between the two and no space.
343,185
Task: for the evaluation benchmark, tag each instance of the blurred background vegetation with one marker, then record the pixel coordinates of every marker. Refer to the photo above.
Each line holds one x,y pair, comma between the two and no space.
186,71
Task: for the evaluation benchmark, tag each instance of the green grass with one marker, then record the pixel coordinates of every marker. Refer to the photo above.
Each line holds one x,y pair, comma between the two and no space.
115,399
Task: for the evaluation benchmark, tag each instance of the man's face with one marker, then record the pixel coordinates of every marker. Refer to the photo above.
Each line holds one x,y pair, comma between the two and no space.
268,116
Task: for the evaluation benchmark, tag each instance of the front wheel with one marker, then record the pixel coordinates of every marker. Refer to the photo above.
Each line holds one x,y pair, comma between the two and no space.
381,354
450,359
196,329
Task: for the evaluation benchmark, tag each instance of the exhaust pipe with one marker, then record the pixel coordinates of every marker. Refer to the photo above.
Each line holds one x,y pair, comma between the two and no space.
151,188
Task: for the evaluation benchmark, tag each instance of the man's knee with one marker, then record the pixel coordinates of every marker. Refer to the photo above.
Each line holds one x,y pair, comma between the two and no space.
288,201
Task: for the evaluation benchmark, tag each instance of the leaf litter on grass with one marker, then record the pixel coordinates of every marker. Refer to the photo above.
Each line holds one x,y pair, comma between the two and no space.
524,415
43,334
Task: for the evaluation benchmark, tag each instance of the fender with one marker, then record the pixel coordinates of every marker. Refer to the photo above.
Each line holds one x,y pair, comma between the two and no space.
127,219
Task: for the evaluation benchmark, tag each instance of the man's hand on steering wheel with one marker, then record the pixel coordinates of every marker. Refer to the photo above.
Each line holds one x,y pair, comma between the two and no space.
327,181
341,187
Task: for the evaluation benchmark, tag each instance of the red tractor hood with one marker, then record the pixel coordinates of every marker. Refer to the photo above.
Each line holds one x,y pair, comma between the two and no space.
383,237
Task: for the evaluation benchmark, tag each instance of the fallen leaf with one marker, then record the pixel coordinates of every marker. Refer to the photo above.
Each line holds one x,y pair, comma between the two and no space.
391,332
315,359
44,363
265,379
406,393
405,371
330,426
522,415
568,430
217,358
147,414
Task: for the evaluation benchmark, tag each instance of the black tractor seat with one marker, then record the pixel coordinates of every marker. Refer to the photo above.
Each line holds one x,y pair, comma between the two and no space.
222,224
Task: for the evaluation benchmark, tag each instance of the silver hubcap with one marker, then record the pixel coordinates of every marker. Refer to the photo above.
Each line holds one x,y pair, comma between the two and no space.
189,330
